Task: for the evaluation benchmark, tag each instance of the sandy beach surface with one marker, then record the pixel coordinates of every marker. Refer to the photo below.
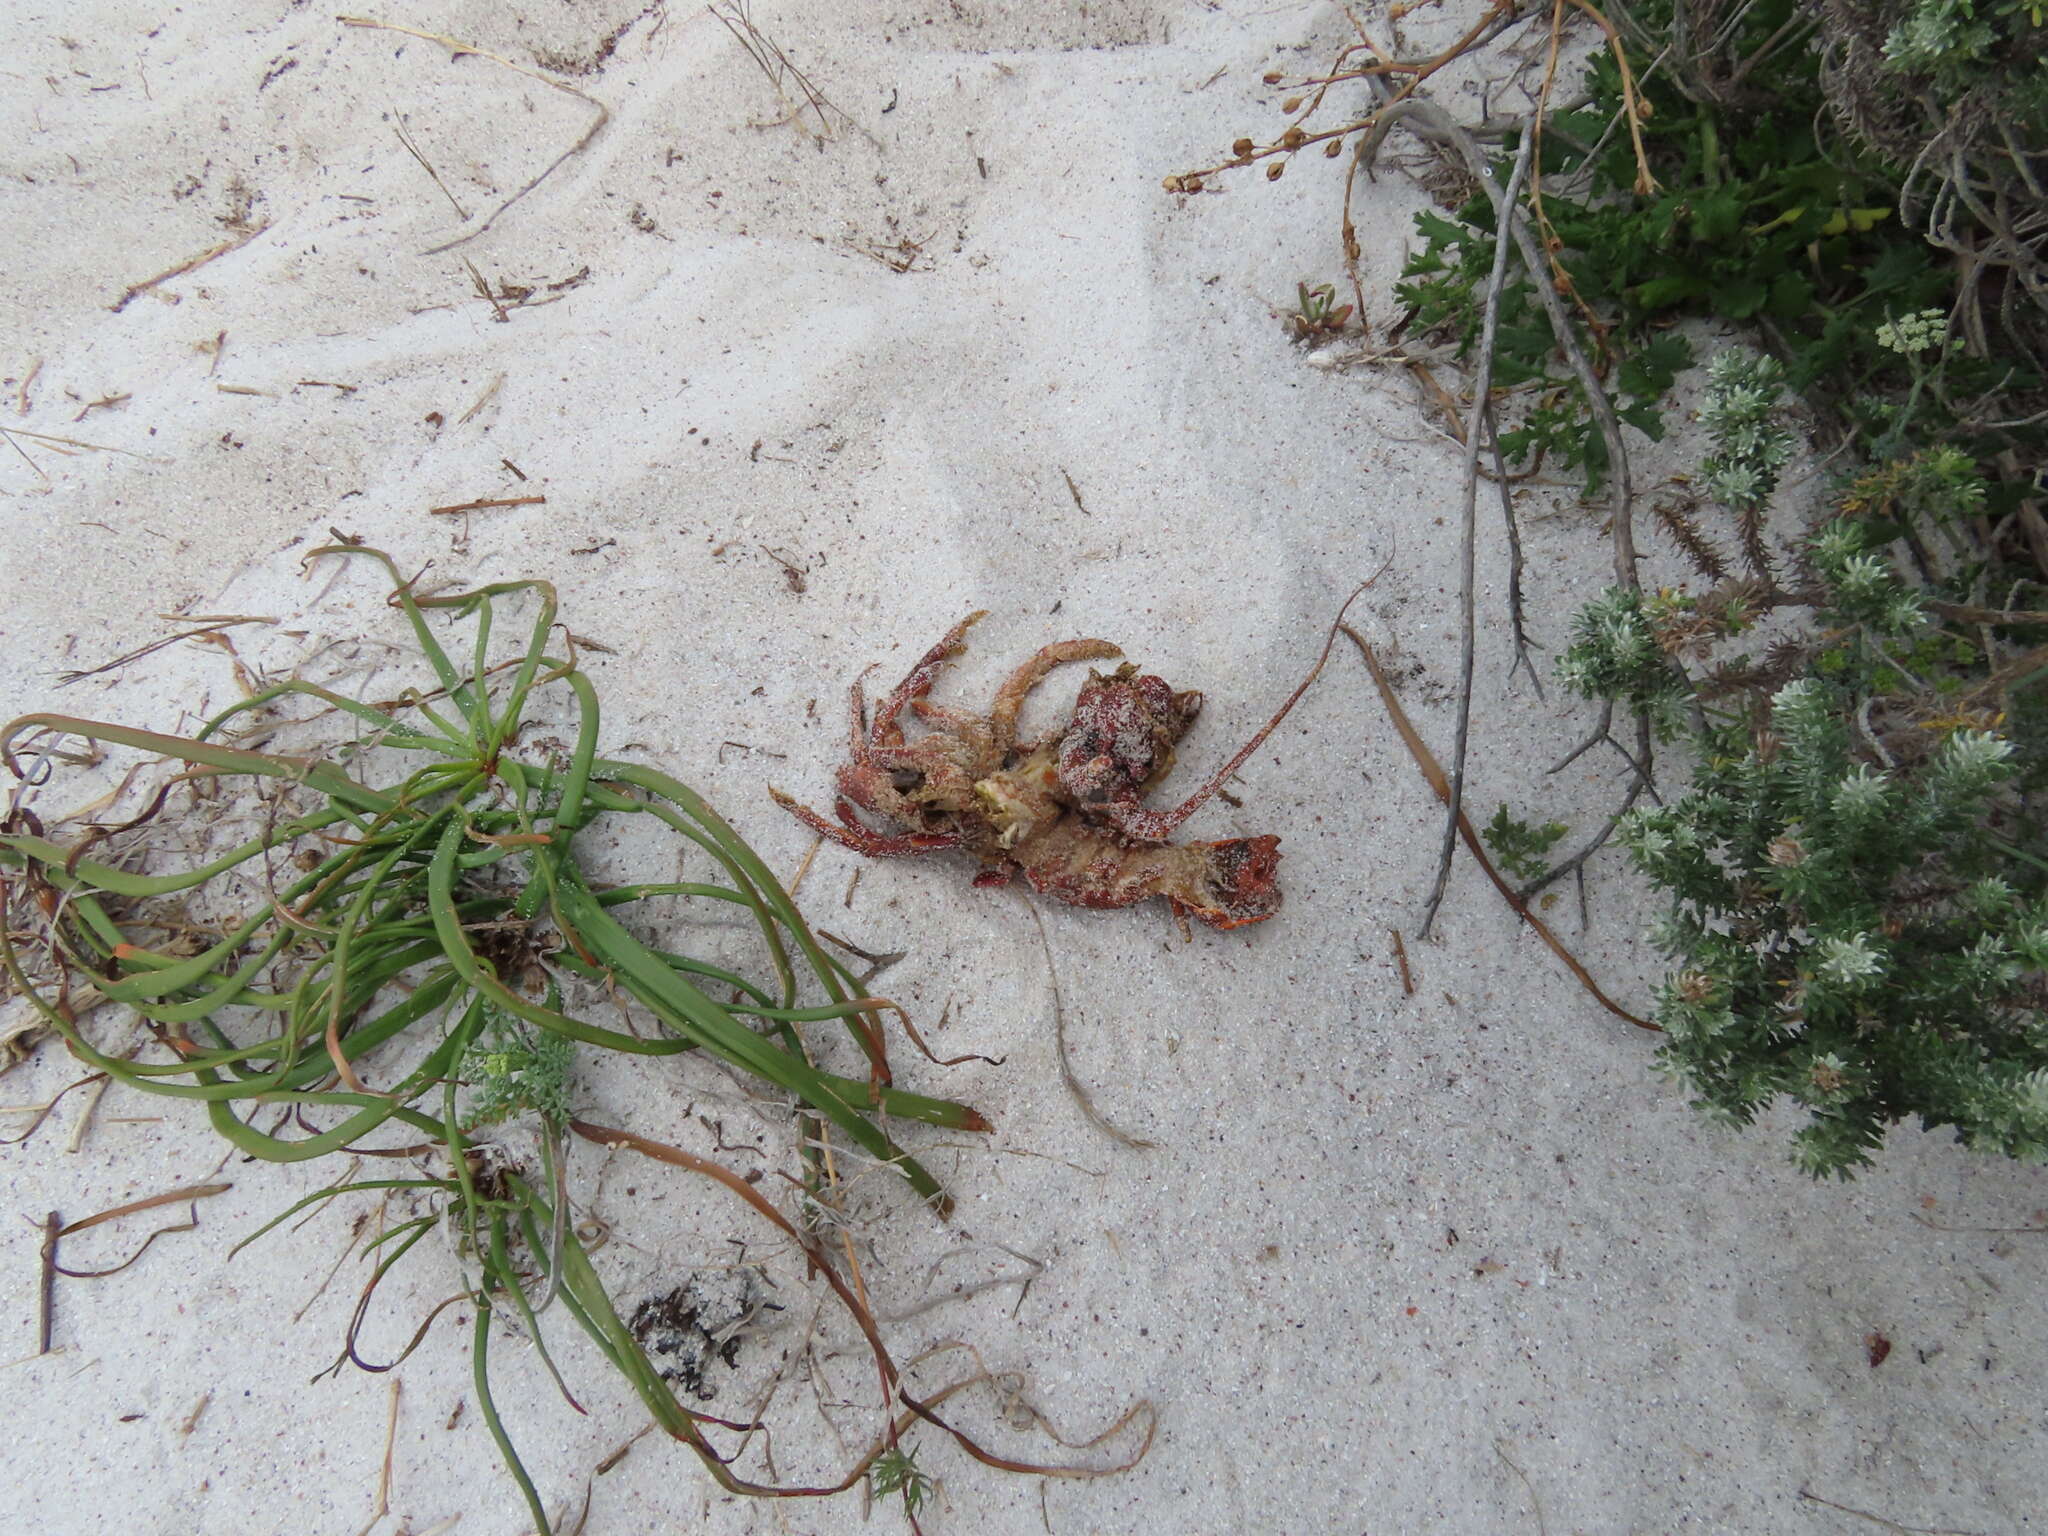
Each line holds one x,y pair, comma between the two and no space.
801,384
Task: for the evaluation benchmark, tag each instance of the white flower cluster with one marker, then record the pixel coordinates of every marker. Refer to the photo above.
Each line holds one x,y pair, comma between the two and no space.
2030,942
1862,795
1661,840
1992,898
1800,708
1863,586
1850,962
1989,965
1626,638
1910,335
1613,649
1971,762
1962,488
2033,1098
1869,586
1838,541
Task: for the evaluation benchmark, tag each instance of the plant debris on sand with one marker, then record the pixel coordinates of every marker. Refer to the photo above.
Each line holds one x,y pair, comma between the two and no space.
404,953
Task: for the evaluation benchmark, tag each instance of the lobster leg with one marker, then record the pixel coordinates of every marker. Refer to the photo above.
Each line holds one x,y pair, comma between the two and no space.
1002,719
849,832
886,732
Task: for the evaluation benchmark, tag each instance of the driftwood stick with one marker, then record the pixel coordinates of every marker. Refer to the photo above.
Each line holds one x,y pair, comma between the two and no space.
1475,432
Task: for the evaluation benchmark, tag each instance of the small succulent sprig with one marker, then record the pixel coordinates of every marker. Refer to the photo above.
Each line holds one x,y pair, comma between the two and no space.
516,1070
1863,586
1953,41
1616,653
1317,314
1522,848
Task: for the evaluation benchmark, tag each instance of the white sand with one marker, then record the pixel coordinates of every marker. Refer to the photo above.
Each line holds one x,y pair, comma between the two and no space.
1452,1261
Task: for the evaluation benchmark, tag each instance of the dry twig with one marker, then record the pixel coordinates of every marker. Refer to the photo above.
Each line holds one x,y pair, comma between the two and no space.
384,1477
486,503
1475,430
767,54
193,1193
192,264
1438,781
398,127
1890,1525
1089,1112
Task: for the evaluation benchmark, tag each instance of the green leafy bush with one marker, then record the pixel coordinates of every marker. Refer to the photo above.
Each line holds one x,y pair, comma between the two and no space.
1846,938
1858,890
1767,193
1855,877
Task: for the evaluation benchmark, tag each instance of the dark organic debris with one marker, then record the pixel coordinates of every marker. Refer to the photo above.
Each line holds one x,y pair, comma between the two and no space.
704,1319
